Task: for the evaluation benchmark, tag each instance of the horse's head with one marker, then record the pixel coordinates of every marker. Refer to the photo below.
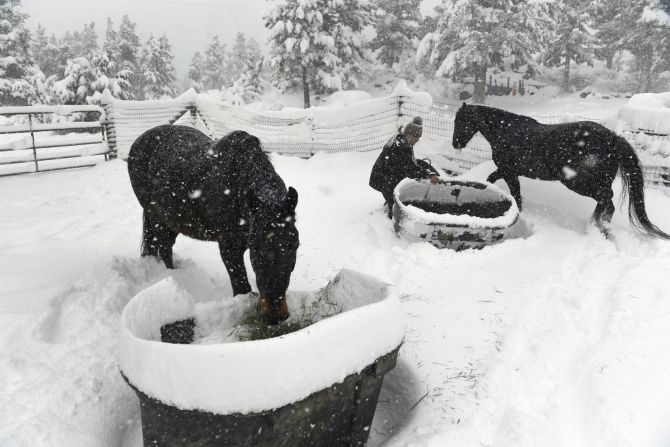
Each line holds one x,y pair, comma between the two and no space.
273,244
465,126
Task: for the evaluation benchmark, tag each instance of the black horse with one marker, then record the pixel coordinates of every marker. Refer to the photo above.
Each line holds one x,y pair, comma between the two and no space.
225,191
585,156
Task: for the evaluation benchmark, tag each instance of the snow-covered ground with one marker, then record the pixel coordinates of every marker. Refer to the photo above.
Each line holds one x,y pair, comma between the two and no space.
555,337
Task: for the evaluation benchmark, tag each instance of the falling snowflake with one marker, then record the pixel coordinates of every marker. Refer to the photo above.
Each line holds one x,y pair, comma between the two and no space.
568,172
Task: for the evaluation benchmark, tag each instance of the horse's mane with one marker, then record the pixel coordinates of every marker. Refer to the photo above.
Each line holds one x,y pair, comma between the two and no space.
244,154
492,111
241,143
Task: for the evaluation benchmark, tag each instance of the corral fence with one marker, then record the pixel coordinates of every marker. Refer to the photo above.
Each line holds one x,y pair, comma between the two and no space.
47,138
365,126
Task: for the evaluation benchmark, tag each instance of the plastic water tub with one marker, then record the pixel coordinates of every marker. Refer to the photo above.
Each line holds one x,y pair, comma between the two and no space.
453,213
315,386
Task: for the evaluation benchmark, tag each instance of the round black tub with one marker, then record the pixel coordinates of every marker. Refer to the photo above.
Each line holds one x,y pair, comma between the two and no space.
453,214
316,386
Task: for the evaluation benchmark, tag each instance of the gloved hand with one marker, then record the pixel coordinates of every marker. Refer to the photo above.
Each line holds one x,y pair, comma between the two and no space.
434,179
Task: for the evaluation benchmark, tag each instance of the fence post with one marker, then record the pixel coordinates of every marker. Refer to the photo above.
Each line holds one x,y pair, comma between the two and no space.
309,122
194,114
108,130
32,137
401,101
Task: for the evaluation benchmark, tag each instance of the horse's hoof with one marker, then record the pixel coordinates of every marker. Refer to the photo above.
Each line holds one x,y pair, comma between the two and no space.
272,313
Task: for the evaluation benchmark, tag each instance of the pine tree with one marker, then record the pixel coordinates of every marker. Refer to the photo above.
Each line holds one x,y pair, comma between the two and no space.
572,40
649,40
86,41
77,86
46,51
473,36
128,44
196,71
397,28
609,15
318,43
248,85
255,58
237,59
112,73
107,77
66,50
215,58
158,72
111,44
21,81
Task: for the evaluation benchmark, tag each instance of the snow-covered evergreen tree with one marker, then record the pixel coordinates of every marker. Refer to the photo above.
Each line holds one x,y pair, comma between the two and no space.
254,53
318,43
345,21
572,39
46,52
397,26
111,44
77,86
128,44
649,40
213,76
158,73
87,77
641,27
113,75
475,35
107,77
21,81
608,17
196,71
86,41
237,58
243,91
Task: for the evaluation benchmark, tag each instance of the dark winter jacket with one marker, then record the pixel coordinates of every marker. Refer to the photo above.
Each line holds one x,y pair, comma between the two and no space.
395,163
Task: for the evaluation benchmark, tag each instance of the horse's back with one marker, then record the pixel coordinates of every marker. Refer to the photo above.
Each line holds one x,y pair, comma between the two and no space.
168,140
165,151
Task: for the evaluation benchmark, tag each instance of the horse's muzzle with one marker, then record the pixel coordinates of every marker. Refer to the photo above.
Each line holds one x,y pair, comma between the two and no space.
272,311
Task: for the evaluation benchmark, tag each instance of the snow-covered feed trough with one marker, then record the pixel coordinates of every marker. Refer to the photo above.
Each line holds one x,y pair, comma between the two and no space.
452,213
317,385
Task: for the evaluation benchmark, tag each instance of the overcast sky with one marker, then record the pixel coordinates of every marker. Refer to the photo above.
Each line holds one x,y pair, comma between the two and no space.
189,24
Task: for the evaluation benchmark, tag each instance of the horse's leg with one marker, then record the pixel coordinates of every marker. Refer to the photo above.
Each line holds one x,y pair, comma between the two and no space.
514,187
604,211
599,189
166,239
232,255
494,176
149,237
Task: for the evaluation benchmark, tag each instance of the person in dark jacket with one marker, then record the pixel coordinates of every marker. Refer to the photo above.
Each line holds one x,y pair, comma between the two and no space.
397,162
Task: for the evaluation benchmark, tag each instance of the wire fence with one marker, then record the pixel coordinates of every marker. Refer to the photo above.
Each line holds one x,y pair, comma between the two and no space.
365,126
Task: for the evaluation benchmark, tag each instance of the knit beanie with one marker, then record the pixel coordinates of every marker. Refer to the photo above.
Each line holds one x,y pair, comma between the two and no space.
415,128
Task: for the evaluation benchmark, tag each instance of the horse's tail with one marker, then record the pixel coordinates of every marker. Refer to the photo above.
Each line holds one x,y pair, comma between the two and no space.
633,187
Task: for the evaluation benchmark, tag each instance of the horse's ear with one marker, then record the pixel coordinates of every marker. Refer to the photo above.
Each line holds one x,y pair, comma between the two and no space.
291,199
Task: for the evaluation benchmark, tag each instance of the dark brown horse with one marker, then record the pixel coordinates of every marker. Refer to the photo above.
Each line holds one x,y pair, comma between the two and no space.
585,156
225,191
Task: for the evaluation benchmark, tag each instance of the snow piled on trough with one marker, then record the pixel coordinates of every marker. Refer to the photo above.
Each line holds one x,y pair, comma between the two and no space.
254,376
